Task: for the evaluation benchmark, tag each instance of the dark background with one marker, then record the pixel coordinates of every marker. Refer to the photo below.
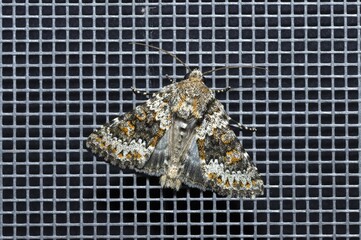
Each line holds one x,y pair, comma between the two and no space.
67,68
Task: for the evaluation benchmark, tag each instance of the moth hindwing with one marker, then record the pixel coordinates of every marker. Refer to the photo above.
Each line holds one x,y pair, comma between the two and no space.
181,134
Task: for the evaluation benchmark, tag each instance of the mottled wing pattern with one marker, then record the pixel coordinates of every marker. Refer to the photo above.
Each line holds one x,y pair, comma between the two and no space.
227,168
192,173
130,140
181,134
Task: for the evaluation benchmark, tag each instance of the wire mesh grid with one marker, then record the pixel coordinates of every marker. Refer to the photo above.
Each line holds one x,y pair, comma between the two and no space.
67,68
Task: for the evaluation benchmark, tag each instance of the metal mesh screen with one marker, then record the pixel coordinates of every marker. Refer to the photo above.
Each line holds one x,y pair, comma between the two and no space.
67,68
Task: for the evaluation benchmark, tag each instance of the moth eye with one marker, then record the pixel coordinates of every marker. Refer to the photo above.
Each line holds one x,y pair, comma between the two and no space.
186,76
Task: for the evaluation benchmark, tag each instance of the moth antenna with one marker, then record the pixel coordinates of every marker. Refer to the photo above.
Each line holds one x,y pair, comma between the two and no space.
165,51
229,67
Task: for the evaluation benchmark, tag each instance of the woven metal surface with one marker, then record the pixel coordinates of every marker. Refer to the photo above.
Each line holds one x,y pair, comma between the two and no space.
67,68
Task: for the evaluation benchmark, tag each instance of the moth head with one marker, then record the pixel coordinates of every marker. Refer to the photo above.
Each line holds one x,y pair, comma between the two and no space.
194,75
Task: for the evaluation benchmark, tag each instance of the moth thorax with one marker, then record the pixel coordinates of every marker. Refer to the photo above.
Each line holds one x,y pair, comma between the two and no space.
196,75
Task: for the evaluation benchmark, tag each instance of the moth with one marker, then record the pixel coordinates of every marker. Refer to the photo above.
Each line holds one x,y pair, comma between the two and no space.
183,135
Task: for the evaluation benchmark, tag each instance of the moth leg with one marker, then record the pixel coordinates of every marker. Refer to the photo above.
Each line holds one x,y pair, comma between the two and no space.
169,78
222,90
144,93
243,127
